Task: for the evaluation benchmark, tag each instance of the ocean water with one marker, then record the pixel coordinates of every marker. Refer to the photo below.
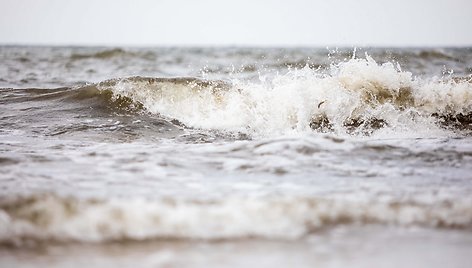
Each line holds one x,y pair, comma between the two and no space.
235,157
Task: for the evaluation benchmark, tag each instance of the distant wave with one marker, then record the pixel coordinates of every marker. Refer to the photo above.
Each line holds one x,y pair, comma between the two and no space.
111,53
108,53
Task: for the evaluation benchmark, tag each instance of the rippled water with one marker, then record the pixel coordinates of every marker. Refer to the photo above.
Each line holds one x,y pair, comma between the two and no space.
186,156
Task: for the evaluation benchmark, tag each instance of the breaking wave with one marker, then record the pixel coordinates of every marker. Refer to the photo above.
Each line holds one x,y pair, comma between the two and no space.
358,96
53,218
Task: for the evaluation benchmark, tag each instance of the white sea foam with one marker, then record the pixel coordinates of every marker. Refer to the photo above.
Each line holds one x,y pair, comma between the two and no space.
356,93
50,217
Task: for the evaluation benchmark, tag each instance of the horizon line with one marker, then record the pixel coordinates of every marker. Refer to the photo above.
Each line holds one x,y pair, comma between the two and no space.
229,45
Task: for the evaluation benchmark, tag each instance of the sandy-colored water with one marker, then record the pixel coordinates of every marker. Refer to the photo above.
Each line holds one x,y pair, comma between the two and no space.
235,157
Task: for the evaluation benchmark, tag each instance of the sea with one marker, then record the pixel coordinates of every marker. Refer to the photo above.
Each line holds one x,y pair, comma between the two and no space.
235,157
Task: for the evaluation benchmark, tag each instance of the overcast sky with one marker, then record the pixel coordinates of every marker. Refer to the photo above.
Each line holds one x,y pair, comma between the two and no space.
237,22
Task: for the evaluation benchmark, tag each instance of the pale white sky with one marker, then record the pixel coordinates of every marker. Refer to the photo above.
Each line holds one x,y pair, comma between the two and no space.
237,22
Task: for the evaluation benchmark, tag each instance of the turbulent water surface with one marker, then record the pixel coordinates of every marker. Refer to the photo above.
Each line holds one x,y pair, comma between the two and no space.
235,157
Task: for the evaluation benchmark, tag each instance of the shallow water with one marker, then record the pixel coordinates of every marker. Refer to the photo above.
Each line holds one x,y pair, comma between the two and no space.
336,247
233,156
